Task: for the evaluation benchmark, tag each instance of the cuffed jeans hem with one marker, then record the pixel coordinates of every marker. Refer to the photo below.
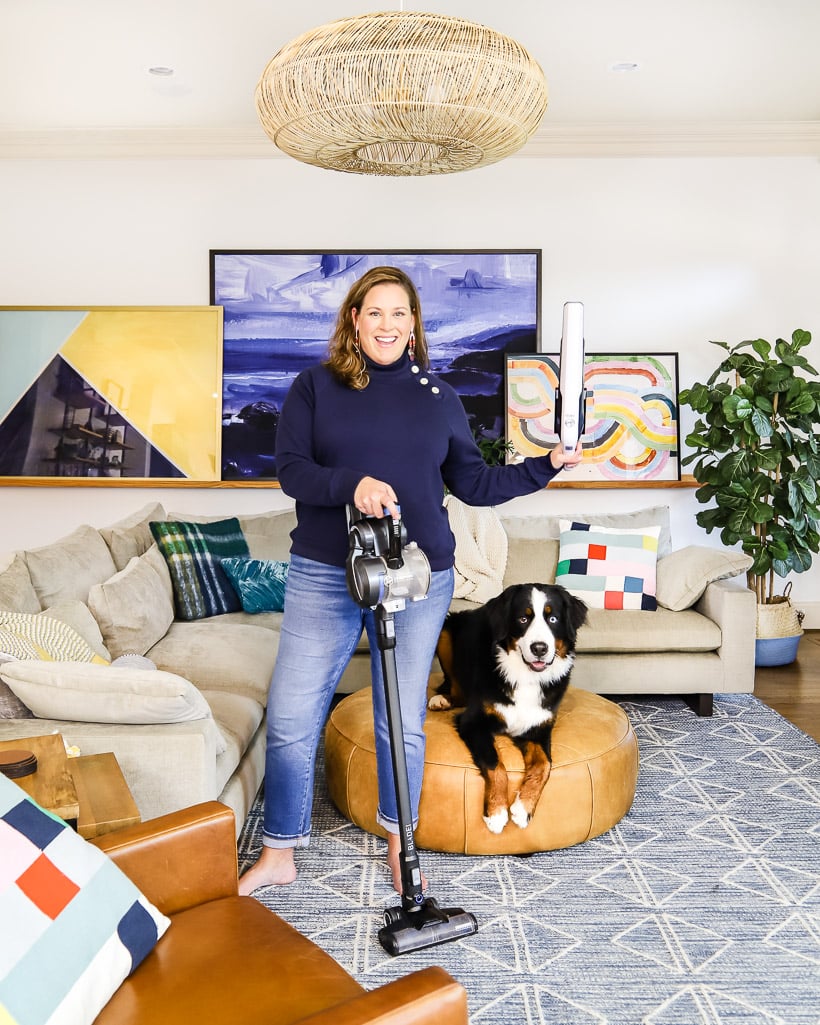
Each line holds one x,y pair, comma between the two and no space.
390,824
281,843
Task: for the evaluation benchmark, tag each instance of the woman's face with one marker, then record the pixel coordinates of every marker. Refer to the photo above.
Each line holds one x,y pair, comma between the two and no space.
384,323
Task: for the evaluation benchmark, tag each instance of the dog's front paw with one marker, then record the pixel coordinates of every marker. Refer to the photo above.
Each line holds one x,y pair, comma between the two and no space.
438,703
519,814
496,822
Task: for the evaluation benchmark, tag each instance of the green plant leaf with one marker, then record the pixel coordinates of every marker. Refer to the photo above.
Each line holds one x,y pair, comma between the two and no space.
761,423
736,407
762,347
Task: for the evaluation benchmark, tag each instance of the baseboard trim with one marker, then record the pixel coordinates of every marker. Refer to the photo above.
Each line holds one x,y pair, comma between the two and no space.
812,610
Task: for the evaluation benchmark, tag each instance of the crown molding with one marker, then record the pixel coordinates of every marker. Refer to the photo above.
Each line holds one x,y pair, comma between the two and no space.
685,139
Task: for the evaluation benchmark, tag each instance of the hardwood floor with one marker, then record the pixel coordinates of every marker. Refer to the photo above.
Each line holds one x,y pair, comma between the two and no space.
794,690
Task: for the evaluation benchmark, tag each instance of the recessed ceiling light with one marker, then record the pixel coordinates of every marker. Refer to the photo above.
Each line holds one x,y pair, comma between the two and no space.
625,66
163,72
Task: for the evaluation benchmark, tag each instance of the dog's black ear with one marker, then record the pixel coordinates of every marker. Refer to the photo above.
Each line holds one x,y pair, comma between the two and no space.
498,614
576,611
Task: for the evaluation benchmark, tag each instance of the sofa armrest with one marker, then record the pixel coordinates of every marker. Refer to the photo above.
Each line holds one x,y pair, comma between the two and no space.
734,609
427,997
179,860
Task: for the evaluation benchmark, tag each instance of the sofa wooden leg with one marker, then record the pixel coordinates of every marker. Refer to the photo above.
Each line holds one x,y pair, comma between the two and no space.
701,704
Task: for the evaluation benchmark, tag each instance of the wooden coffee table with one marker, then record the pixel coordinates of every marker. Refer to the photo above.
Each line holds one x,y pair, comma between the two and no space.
52,785
90,792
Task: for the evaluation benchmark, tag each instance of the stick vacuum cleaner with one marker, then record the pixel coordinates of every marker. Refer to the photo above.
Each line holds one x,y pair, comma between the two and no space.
570,395
383,573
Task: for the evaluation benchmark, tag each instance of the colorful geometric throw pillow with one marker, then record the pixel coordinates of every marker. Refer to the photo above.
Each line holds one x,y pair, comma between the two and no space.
260,583
609,568
193,552
74,926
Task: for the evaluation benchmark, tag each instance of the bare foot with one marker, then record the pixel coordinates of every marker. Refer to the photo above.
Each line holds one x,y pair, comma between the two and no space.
394,862
275,867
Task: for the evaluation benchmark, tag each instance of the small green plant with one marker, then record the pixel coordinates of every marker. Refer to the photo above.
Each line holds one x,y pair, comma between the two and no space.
494,450
756,446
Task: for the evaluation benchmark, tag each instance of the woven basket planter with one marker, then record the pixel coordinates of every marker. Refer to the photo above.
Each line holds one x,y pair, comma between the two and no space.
779,629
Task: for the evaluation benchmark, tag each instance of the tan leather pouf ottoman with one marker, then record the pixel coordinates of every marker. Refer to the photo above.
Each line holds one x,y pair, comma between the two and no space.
592,785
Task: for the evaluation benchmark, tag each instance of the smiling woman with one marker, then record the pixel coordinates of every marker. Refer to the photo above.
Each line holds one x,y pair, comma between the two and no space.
374,427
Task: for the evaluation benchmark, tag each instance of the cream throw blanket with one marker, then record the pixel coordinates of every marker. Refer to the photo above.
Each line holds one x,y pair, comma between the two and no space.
481,550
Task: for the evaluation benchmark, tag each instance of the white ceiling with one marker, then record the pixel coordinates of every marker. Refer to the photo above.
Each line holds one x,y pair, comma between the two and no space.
715,76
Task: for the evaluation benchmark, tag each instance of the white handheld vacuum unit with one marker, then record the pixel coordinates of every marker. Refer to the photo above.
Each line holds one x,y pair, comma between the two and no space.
571,396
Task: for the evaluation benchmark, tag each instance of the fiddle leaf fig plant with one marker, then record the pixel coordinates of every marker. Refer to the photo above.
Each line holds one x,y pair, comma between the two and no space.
756,443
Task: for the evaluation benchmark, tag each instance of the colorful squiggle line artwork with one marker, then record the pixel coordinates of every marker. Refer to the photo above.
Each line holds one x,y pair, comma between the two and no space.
632,419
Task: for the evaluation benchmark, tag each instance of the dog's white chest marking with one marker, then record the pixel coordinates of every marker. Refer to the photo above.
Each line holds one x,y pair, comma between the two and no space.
526,711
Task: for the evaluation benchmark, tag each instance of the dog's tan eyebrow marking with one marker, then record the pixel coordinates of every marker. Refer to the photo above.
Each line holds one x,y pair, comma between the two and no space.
548,609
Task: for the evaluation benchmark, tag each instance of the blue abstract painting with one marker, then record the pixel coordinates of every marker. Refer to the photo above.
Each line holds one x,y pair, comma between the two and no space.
280,308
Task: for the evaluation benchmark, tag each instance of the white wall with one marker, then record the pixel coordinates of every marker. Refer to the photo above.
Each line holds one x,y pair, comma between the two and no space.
664,253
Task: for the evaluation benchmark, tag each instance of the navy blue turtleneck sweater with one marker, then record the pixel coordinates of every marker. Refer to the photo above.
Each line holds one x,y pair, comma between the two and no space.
407,428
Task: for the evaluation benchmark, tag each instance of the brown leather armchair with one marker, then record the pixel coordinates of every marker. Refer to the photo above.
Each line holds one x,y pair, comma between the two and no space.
228,958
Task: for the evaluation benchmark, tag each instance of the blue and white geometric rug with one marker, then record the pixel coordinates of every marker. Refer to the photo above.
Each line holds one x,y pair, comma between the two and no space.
701,907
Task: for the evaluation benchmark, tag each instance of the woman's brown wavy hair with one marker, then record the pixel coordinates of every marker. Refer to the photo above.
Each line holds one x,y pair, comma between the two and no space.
345,359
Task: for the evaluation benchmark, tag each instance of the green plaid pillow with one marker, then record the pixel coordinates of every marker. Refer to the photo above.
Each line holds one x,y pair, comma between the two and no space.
193,552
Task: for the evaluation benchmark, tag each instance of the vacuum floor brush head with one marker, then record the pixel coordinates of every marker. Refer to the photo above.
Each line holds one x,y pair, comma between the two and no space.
405,931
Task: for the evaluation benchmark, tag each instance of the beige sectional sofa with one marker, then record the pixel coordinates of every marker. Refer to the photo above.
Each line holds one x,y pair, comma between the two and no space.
697,643
193,729
112,586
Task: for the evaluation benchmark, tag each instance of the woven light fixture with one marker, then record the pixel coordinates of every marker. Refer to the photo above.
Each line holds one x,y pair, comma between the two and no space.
401,93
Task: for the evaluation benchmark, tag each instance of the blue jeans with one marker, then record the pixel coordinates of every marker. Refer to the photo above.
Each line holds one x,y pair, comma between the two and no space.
320,629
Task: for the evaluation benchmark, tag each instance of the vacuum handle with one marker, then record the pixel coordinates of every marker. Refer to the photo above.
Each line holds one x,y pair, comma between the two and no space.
412,892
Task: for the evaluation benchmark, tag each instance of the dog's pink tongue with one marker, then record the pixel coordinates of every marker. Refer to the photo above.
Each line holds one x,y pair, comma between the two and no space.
538,666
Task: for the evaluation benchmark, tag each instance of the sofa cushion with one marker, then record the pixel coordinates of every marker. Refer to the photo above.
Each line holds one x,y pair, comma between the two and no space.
220,656
684,575
133,608
623,632
80,926
531,560
17,592
238,718
80,692
193,552
79,617
132,536
550,526
269,620
260,583
24,635
68,568
609,568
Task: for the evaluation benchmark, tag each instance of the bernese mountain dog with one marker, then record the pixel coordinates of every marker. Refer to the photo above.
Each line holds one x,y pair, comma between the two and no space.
508,664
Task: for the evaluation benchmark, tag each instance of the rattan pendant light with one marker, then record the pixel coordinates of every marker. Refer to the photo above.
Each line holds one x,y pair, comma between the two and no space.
401,93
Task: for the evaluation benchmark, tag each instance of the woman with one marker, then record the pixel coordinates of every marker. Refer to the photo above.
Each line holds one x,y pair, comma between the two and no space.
371,427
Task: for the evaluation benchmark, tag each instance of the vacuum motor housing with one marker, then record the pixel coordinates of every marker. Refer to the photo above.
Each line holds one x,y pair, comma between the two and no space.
381,568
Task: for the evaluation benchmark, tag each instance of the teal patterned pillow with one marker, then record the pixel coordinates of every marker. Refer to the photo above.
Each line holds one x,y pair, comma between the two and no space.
193,552
260,583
